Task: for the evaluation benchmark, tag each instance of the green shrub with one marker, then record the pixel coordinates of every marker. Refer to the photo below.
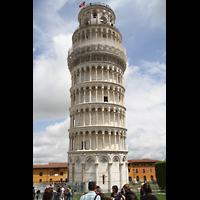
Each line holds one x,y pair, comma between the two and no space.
160,168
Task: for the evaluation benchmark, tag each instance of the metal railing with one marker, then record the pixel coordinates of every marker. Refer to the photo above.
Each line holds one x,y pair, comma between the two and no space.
96,3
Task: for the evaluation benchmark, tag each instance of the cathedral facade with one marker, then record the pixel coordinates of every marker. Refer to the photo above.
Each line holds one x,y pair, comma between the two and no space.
97,134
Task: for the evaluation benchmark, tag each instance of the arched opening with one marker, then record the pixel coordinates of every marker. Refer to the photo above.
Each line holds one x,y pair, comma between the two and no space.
95,14
104,33
87,21
103,20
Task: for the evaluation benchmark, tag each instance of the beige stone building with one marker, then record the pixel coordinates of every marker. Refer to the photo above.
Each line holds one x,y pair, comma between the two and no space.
97,134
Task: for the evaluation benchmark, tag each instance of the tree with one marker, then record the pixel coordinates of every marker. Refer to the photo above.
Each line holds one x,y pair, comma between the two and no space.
160,168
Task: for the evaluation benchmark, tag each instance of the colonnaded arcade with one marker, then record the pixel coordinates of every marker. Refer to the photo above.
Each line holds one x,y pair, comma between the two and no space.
97,134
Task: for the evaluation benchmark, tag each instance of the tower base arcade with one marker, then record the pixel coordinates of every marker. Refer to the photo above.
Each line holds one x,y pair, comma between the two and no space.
107,168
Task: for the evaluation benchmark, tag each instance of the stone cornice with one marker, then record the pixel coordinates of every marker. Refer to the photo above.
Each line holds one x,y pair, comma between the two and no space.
96,104
96,83
97,151
97,128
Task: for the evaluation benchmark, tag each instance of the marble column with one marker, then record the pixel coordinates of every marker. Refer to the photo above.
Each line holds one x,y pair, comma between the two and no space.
103,142
89,140
90,94
84,93
96,72
83,140
90,73
109,134
110,176
102,115
121,174
96,140
96,88
84,117
108,73
96,174
72,172
83,172
102,93
78,141
96,109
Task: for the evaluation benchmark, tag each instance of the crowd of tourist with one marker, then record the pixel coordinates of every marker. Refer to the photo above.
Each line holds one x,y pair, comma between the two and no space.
95,193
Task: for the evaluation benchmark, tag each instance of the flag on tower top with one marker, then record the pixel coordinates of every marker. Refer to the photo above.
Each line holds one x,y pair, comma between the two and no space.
81,5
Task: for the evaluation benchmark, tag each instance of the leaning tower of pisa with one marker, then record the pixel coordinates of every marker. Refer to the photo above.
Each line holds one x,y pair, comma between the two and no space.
97,134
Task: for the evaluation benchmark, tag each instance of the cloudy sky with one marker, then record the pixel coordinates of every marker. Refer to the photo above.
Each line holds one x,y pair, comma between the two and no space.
142,24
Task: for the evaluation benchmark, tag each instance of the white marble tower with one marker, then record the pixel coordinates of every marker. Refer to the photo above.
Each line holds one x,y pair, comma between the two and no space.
97,134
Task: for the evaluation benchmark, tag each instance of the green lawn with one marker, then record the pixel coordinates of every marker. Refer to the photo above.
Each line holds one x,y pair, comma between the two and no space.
159,196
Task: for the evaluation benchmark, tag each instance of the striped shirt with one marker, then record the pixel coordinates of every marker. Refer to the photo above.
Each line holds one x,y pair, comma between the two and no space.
90,196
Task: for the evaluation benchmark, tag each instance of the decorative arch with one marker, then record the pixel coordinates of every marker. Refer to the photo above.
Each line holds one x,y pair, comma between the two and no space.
104,159
88,158
103,20
77,160
116,158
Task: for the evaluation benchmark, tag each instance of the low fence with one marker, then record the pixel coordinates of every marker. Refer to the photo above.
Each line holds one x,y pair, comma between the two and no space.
78,187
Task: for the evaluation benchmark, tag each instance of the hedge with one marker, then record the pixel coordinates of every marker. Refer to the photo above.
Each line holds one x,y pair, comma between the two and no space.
160,168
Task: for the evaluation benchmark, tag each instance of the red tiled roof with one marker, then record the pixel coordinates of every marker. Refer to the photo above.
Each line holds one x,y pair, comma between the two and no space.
144,160
52,165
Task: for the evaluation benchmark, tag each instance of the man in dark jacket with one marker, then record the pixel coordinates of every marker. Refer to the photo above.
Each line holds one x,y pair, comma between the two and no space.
129,194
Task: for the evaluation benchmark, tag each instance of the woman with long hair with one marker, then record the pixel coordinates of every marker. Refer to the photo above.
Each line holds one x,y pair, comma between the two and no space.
148,192
115,194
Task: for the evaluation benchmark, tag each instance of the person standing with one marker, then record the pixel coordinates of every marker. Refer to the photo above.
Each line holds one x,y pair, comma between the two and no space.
51,187
129,194
91,194
62,193
37,194
68,192
33,193
141,191
148,193
71,194
58,192
115,195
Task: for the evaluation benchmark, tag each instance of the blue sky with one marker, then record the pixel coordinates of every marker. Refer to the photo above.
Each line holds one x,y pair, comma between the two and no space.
142,24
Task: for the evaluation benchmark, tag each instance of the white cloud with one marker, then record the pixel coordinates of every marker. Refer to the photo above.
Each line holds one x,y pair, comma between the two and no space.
145,100
153,10
51,145
51,82
157,11
48,23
